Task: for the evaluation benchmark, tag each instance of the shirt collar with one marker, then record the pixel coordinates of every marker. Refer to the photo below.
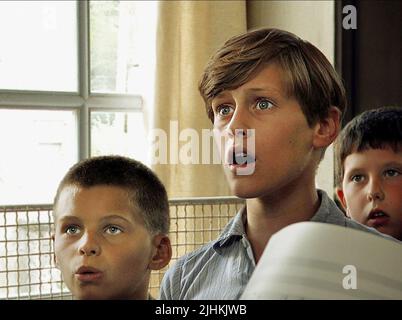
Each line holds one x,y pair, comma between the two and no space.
327,212
234,230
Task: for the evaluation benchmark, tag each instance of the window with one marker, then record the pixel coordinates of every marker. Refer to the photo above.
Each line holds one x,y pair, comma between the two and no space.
37,148
39,46
74,76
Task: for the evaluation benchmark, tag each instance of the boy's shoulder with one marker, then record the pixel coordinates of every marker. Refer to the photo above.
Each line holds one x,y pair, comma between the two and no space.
188,270
191,259
204,266
328,211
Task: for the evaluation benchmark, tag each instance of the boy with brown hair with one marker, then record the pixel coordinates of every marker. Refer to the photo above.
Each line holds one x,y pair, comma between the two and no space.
368,177
111,217
281,91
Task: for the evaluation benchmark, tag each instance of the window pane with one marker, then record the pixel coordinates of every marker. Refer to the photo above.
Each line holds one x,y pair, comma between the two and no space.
120,133
37,148
122,41
38,45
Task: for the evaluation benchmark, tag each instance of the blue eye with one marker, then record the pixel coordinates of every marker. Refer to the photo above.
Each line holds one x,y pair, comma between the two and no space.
113,230
264,104
72,229
224,110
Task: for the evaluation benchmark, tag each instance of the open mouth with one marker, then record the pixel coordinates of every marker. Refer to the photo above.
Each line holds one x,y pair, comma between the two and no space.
242,158
240,162
378,214
377,217
236,157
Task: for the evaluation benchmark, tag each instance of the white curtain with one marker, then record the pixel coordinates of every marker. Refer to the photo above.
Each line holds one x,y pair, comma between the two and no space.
188,33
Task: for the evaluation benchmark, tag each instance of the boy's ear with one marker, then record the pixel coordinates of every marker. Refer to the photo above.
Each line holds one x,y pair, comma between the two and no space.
163,253
341,197
326,130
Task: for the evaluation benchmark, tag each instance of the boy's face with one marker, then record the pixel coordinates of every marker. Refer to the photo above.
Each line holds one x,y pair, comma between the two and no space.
101,246
372,189
284,142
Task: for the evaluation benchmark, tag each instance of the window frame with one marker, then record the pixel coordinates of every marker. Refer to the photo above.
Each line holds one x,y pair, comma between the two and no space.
82,101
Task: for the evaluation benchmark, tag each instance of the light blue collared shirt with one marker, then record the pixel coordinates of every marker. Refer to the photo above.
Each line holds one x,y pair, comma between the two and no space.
221,269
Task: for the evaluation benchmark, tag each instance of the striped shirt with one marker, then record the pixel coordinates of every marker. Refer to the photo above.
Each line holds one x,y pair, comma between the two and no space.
222,268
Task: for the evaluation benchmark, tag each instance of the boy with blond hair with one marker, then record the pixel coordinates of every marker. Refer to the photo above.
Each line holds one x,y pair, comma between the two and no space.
279,90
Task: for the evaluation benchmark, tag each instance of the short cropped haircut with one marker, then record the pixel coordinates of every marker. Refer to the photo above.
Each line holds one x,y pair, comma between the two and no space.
310,77
145,191
372,129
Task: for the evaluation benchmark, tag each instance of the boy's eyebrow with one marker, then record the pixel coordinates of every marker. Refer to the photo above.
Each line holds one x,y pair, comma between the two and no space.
114,216
265,89
393,164
353,170
387,164
252,90
220,94
63,218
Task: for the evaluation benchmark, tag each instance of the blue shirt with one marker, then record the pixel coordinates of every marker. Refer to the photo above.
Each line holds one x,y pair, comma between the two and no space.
222,268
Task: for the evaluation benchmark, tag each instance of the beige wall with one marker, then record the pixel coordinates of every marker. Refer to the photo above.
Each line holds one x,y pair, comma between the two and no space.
313,21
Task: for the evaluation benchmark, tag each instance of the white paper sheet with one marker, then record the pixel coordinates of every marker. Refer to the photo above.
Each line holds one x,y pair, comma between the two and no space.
311,260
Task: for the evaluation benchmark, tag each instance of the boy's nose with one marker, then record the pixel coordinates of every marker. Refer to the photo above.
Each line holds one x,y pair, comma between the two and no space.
237,126
89,246
375,192
238,133
377,195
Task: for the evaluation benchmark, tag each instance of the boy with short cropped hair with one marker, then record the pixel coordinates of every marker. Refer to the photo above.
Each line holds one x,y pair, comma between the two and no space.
281,91
368,155
111,218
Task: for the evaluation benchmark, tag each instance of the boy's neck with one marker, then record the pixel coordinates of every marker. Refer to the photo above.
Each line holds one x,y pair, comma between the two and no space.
267,215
